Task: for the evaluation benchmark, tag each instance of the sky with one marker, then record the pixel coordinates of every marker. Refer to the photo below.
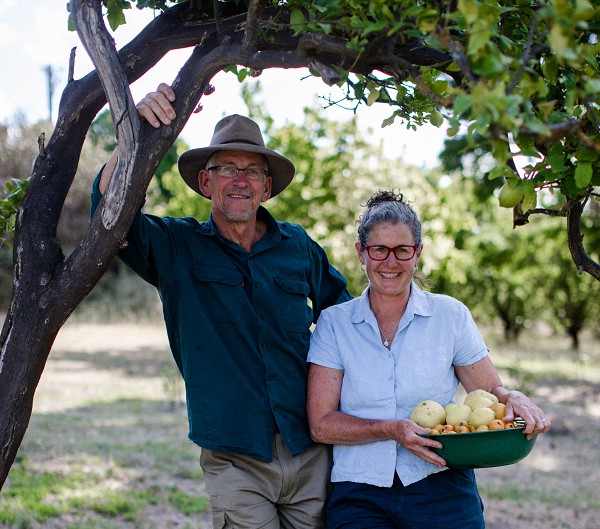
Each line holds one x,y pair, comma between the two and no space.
34,35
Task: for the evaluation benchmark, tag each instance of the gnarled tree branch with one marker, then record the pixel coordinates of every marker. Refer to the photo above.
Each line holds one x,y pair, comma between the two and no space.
575,240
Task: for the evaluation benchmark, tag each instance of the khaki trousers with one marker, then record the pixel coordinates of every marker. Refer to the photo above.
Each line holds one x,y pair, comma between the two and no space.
286,493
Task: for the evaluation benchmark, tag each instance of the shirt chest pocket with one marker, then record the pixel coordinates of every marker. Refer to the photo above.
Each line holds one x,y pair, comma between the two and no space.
221,291
430,368
294,312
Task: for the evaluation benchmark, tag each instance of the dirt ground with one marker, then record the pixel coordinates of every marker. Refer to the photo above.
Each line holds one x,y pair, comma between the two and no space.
96,371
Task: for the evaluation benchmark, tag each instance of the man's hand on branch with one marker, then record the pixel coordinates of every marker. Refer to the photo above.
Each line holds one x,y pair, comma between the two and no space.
156,107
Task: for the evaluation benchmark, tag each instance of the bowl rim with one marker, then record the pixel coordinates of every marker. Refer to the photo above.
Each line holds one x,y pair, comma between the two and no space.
518,420
454,442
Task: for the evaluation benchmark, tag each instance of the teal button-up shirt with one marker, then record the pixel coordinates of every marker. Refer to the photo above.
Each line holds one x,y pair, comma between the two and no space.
238,324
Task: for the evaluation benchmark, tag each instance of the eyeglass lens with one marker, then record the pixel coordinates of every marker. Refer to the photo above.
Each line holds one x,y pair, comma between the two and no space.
230,171
381,253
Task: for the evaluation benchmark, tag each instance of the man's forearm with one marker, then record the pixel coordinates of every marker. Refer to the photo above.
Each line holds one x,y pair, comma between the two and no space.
108,170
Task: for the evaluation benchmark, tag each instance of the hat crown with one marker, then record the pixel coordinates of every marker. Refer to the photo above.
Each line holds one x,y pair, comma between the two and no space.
236,133
237,129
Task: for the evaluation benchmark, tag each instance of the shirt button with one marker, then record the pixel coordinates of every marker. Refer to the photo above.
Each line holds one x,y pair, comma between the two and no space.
257,285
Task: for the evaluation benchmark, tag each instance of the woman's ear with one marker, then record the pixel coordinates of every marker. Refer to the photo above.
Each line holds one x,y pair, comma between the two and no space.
361,257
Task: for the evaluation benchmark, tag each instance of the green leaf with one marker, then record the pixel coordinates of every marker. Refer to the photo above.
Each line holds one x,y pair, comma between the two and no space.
592,86
115,15
529,198
469,9
550,69
461,104
297,17
372,97
500,150
436,119
500,171
583,174
546,108
556,157
560,43
479,37
488,65
388,121
584,10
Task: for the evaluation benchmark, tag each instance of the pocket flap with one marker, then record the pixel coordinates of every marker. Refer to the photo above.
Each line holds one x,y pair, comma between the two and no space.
213,274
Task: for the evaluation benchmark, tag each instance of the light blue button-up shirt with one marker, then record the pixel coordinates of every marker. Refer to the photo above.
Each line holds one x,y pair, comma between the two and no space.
435,334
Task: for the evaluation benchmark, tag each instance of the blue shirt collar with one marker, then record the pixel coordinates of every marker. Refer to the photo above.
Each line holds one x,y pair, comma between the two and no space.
417,305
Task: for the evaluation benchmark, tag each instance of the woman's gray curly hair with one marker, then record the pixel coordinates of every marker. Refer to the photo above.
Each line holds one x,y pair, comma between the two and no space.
387,207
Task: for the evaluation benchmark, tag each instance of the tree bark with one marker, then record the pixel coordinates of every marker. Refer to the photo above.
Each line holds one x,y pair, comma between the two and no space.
580,257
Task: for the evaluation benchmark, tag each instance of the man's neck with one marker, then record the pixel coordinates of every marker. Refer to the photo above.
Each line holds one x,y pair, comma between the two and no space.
245,234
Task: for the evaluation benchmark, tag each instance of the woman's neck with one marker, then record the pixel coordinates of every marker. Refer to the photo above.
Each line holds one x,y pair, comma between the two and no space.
388,309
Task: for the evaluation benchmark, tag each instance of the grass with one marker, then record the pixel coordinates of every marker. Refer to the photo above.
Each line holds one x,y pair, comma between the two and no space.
105,464
43,495
107,444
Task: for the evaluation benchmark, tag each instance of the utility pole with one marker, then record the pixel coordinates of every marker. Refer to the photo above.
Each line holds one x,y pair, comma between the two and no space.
51,78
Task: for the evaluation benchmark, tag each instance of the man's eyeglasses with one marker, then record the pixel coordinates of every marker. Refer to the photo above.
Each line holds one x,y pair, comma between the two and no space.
378,252
230,171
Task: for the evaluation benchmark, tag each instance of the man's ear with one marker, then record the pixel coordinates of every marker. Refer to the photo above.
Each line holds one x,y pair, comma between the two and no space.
203,178
267,189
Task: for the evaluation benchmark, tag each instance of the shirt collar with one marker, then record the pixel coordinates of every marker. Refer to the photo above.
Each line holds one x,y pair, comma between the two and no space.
274,232
418,304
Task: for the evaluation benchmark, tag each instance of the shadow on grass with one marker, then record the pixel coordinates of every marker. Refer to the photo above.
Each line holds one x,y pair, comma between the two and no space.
139,362
117,461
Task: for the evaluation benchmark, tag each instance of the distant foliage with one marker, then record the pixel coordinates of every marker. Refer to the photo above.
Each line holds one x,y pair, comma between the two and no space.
10,200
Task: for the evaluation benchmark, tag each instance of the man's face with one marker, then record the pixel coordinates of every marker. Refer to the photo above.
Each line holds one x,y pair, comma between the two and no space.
235,199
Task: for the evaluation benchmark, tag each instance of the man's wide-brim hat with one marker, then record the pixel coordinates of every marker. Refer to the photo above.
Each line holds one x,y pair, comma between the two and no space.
236,133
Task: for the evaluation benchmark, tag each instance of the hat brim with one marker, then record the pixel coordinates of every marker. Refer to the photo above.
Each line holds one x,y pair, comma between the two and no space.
280,169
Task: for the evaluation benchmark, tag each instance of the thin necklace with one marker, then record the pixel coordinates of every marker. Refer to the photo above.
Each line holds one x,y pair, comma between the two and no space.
386,341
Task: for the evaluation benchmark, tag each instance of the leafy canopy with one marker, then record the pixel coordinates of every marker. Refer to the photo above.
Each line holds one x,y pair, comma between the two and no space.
517,77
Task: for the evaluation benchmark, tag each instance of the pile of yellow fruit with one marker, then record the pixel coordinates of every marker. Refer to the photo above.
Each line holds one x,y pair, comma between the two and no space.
480,412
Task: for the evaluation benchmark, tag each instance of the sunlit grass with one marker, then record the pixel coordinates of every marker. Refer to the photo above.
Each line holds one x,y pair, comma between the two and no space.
38,496
539,358
525,493
104,461
47,494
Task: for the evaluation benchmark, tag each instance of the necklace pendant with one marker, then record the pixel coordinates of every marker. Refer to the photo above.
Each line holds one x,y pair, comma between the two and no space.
386,343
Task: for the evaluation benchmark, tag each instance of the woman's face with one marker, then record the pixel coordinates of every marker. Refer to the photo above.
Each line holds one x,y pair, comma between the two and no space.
391,277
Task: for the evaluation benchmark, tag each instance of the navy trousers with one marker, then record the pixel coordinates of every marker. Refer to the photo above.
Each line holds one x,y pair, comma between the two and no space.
445,500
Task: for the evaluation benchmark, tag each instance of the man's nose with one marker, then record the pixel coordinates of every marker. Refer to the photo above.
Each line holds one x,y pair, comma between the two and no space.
240,176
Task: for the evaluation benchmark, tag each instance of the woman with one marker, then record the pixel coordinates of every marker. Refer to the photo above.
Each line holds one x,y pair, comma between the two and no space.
372,359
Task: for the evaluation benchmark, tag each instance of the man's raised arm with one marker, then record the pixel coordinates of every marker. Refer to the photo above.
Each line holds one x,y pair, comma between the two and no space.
155,108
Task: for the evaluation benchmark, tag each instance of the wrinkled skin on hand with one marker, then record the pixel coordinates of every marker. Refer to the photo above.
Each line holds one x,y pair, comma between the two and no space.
406,433
519,405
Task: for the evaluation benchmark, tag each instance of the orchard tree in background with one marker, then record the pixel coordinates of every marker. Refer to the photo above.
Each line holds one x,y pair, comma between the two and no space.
520,76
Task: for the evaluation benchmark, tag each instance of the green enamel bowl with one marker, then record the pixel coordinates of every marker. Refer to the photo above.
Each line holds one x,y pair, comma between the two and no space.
494,448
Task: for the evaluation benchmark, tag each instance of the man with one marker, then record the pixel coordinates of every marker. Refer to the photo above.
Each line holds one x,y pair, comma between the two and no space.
234,292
